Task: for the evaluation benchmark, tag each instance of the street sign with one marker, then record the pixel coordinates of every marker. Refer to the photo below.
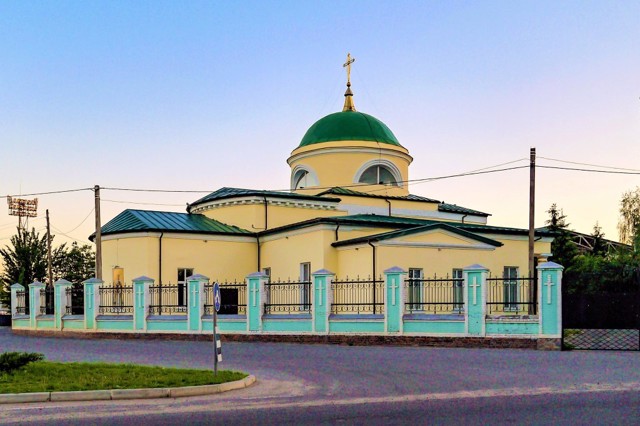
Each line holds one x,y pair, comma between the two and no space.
216,296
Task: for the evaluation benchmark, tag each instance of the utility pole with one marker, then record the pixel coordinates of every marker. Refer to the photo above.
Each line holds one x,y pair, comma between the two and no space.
49,274
532,205
96,190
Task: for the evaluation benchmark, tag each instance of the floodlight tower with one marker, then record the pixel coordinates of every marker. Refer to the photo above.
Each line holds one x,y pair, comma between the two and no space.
24,209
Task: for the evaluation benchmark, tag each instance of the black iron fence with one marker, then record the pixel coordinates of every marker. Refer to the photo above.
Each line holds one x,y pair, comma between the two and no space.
168,299
287,297
357,296
75,300
233,298
22,302
511,296
116,300
46,301
434,295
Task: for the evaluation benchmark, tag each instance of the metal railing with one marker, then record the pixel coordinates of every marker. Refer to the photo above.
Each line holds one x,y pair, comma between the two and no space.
116,300
357,296
512,296
233,298
22,302
287,297
434,295
46,301
168,299
75,300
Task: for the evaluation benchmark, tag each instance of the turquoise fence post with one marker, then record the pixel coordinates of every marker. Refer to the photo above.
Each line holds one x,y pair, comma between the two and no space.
60,301
15,288
550,300
91,302
195,286
141,302
321,300
34,302
394,299
255,287
475,296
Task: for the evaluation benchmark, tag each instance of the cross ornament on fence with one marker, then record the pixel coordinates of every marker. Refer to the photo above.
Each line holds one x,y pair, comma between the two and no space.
394,286
255,291
140,294
194,292
89,298
475,286
548,284
320,294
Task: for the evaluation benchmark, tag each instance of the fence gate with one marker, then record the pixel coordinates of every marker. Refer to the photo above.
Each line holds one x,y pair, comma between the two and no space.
601,321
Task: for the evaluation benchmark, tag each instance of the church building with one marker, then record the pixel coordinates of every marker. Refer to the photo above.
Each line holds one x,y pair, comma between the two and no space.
348,211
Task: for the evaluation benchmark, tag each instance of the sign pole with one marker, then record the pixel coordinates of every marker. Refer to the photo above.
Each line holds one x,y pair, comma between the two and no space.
215,342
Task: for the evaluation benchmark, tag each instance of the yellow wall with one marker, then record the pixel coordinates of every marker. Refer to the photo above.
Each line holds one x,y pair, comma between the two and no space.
358,261
218,260
340,168
252,217
285,254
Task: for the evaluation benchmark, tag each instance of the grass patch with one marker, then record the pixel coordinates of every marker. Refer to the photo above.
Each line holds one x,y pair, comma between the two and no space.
44,376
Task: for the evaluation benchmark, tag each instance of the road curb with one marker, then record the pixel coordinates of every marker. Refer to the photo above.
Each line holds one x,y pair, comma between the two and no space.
118,394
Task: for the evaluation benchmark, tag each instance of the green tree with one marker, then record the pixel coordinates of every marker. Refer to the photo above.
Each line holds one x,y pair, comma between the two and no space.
599,247
563,248
629,222
25,261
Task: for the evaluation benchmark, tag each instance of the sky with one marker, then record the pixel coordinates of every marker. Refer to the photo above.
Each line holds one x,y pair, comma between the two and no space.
194,96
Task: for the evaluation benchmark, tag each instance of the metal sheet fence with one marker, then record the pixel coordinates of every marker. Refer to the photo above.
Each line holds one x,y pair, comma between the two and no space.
168,299
233,298
287,297
434,295
75,300
357,296
116,300
512,296
46,301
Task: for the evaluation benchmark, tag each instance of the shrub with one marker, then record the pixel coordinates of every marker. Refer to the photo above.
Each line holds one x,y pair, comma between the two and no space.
10,361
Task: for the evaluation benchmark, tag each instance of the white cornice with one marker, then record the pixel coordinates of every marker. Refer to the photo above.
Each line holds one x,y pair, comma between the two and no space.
350,149
299,231
271,200
353,209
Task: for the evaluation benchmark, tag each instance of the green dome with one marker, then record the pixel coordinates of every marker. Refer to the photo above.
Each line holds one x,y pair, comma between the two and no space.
349,126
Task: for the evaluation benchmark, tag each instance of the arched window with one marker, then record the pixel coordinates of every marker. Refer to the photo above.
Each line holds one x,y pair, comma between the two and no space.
303,178
378,175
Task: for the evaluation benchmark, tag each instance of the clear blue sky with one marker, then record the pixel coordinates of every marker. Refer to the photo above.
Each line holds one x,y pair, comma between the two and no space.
199,95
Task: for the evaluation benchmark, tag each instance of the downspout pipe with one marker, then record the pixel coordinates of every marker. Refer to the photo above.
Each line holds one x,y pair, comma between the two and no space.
388,202
336,231
374,274
258,251
160,258
266,213
465,215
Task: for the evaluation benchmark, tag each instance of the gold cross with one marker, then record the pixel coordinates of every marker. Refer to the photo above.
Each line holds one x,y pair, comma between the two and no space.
347,65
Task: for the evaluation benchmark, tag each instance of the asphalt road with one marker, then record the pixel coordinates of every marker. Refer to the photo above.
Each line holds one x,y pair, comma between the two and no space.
327,384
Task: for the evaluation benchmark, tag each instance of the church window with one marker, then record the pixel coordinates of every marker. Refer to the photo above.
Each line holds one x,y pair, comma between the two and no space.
458,291
414,289
303,178
305,283
510,276
183,274
378,174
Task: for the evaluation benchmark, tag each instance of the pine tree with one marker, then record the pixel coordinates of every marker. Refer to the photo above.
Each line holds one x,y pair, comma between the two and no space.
564,250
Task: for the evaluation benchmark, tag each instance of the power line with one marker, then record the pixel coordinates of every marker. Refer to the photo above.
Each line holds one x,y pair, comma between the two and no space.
590,170
83,220
144,204
48,193
587,164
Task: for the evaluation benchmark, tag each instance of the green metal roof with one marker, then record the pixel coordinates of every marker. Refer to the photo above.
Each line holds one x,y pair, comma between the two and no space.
349,192
417,230
147,220
452,208
443,207
349,126
396,222
226,192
